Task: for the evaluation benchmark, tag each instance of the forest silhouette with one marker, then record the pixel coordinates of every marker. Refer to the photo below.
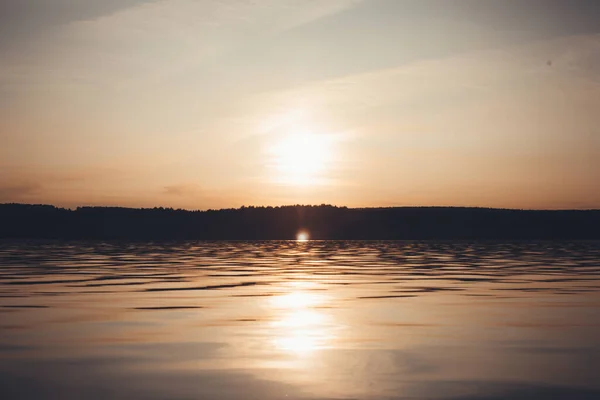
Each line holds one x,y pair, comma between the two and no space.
321,222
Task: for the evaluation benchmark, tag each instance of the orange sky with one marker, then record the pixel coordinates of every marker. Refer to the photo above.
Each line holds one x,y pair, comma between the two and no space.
362,103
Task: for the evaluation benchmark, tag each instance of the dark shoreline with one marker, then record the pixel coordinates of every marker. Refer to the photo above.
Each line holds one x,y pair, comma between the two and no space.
24,221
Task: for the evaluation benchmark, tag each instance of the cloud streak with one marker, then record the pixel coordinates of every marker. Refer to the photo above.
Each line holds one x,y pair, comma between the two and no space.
21,19
122,43
18,192
183,190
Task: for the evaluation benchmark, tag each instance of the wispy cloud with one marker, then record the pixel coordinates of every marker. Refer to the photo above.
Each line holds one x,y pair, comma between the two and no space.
18,192
183,190
26,19
444,83
150,40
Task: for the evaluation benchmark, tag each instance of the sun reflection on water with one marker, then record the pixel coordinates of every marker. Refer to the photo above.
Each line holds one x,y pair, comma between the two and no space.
300,327
302,236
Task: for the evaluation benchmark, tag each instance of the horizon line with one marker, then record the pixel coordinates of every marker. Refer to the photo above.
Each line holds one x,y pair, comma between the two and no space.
243,207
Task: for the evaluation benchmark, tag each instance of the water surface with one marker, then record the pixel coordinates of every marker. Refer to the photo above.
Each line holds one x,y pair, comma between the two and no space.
292,320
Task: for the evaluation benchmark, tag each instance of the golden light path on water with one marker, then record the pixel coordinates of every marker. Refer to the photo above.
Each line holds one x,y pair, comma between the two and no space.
301,328
310,343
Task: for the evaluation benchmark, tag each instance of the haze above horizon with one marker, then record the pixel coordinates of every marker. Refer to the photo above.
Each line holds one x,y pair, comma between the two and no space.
366,103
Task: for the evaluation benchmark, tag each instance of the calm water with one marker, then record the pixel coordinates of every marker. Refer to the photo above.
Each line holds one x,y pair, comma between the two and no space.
291,320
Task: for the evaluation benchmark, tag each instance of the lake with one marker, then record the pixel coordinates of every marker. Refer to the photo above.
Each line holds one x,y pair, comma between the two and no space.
300,320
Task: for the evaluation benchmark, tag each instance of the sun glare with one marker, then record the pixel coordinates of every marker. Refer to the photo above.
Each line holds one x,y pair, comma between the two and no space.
302,158
302,237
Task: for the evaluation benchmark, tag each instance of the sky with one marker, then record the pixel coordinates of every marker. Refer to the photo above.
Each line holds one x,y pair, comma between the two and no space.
364,103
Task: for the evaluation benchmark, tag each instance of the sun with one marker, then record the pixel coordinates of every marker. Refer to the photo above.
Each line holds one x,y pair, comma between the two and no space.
301,158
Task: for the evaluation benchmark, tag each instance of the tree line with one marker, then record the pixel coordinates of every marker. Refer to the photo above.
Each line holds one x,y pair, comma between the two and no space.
28,221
